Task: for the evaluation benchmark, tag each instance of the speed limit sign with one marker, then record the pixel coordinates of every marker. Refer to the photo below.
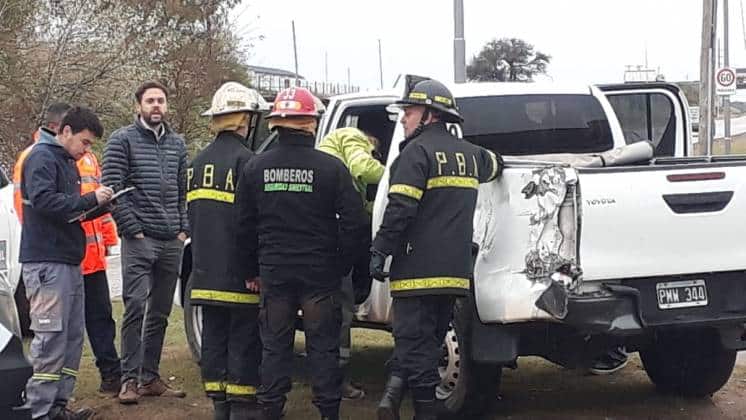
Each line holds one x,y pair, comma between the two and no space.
725,81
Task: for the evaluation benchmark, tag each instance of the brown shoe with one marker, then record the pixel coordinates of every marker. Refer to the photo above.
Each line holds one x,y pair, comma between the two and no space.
128,393
158,388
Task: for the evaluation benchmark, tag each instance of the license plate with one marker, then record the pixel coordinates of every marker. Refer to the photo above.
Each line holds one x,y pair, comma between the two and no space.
681,294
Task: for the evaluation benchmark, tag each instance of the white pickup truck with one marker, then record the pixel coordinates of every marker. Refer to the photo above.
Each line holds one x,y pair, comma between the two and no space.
575,256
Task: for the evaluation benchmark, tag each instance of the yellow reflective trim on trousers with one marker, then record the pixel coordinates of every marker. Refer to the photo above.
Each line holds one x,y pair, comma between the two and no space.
429,283
407,190
208,194
46,376
452,181
220,296
240,389
70,372
214,386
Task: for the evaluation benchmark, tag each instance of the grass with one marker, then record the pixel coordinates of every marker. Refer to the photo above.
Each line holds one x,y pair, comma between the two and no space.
536,390
178,368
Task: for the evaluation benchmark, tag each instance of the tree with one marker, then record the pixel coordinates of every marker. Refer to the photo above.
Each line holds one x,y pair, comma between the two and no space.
507,60
96,52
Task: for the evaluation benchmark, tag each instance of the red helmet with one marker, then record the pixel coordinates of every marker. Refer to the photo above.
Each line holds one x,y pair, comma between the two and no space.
295,102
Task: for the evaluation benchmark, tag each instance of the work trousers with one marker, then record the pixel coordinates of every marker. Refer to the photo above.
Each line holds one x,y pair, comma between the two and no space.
315,290
420,326
149,273
231,352
55,294
347,301
99,324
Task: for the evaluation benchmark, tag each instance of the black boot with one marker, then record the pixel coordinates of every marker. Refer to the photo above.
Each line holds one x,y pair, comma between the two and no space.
425,410
330,416
221,409
388,408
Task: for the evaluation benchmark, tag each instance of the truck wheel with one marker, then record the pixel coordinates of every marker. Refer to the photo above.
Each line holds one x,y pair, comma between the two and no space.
24,308
192,323
692,363
467,389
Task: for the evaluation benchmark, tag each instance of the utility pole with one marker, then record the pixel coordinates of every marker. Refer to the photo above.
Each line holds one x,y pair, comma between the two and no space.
348,79
726,63
459,44
705,75
295,54
713,59
380,62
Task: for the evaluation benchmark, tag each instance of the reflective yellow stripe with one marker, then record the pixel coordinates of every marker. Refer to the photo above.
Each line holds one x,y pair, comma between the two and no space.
443,100
230,297
417,95
240,389
430,283
408,190
214,386
452,181
494,167
208,194
46,376
70,372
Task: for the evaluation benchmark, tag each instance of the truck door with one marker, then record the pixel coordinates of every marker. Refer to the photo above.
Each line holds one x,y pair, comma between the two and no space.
652,111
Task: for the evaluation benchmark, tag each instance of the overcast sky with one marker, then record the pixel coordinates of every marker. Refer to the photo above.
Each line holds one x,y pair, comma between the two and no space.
589,40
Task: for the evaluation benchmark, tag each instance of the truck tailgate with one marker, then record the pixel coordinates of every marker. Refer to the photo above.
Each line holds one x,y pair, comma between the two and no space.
662,220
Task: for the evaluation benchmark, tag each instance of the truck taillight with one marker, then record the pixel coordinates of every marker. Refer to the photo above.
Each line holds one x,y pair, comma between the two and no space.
704,176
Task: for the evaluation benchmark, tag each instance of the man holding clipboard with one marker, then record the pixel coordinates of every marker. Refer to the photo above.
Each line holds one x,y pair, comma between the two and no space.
51,252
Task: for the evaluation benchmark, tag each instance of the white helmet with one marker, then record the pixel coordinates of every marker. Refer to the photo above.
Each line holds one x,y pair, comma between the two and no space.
234,97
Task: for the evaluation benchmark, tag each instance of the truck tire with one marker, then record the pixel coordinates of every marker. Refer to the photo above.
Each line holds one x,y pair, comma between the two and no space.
192,323
691,363
24,308
467,389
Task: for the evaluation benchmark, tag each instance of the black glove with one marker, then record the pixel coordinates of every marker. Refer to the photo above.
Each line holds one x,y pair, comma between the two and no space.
377,262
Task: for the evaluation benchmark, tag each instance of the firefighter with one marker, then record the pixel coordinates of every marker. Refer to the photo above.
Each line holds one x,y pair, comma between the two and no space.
231,348
300,224
355,149
427,229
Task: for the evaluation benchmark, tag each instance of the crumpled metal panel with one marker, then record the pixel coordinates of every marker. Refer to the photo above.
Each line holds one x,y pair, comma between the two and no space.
525,225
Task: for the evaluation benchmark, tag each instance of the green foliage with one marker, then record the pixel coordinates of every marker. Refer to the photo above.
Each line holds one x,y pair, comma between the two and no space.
96,52
507,60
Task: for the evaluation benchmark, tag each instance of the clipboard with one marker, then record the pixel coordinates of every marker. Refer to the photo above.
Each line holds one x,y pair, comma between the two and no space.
98,207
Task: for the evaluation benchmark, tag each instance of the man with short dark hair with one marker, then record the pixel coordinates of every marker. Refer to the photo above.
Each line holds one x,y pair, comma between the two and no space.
51,252
153,225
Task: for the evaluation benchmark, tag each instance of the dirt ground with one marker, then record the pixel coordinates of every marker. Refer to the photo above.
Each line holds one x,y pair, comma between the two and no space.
536,390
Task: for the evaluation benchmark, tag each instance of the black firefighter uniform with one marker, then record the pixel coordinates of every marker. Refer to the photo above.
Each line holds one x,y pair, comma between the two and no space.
427,228
231,347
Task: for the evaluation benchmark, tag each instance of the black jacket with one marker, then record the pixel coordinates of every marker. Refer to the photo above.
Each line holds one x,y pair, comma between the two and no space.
157,169
50,187
212,179
428,223
297,206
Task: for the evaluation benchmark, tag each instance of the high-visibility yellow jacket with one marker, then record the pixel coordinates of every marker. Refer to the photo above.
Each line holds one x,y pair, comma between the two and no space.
353,148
